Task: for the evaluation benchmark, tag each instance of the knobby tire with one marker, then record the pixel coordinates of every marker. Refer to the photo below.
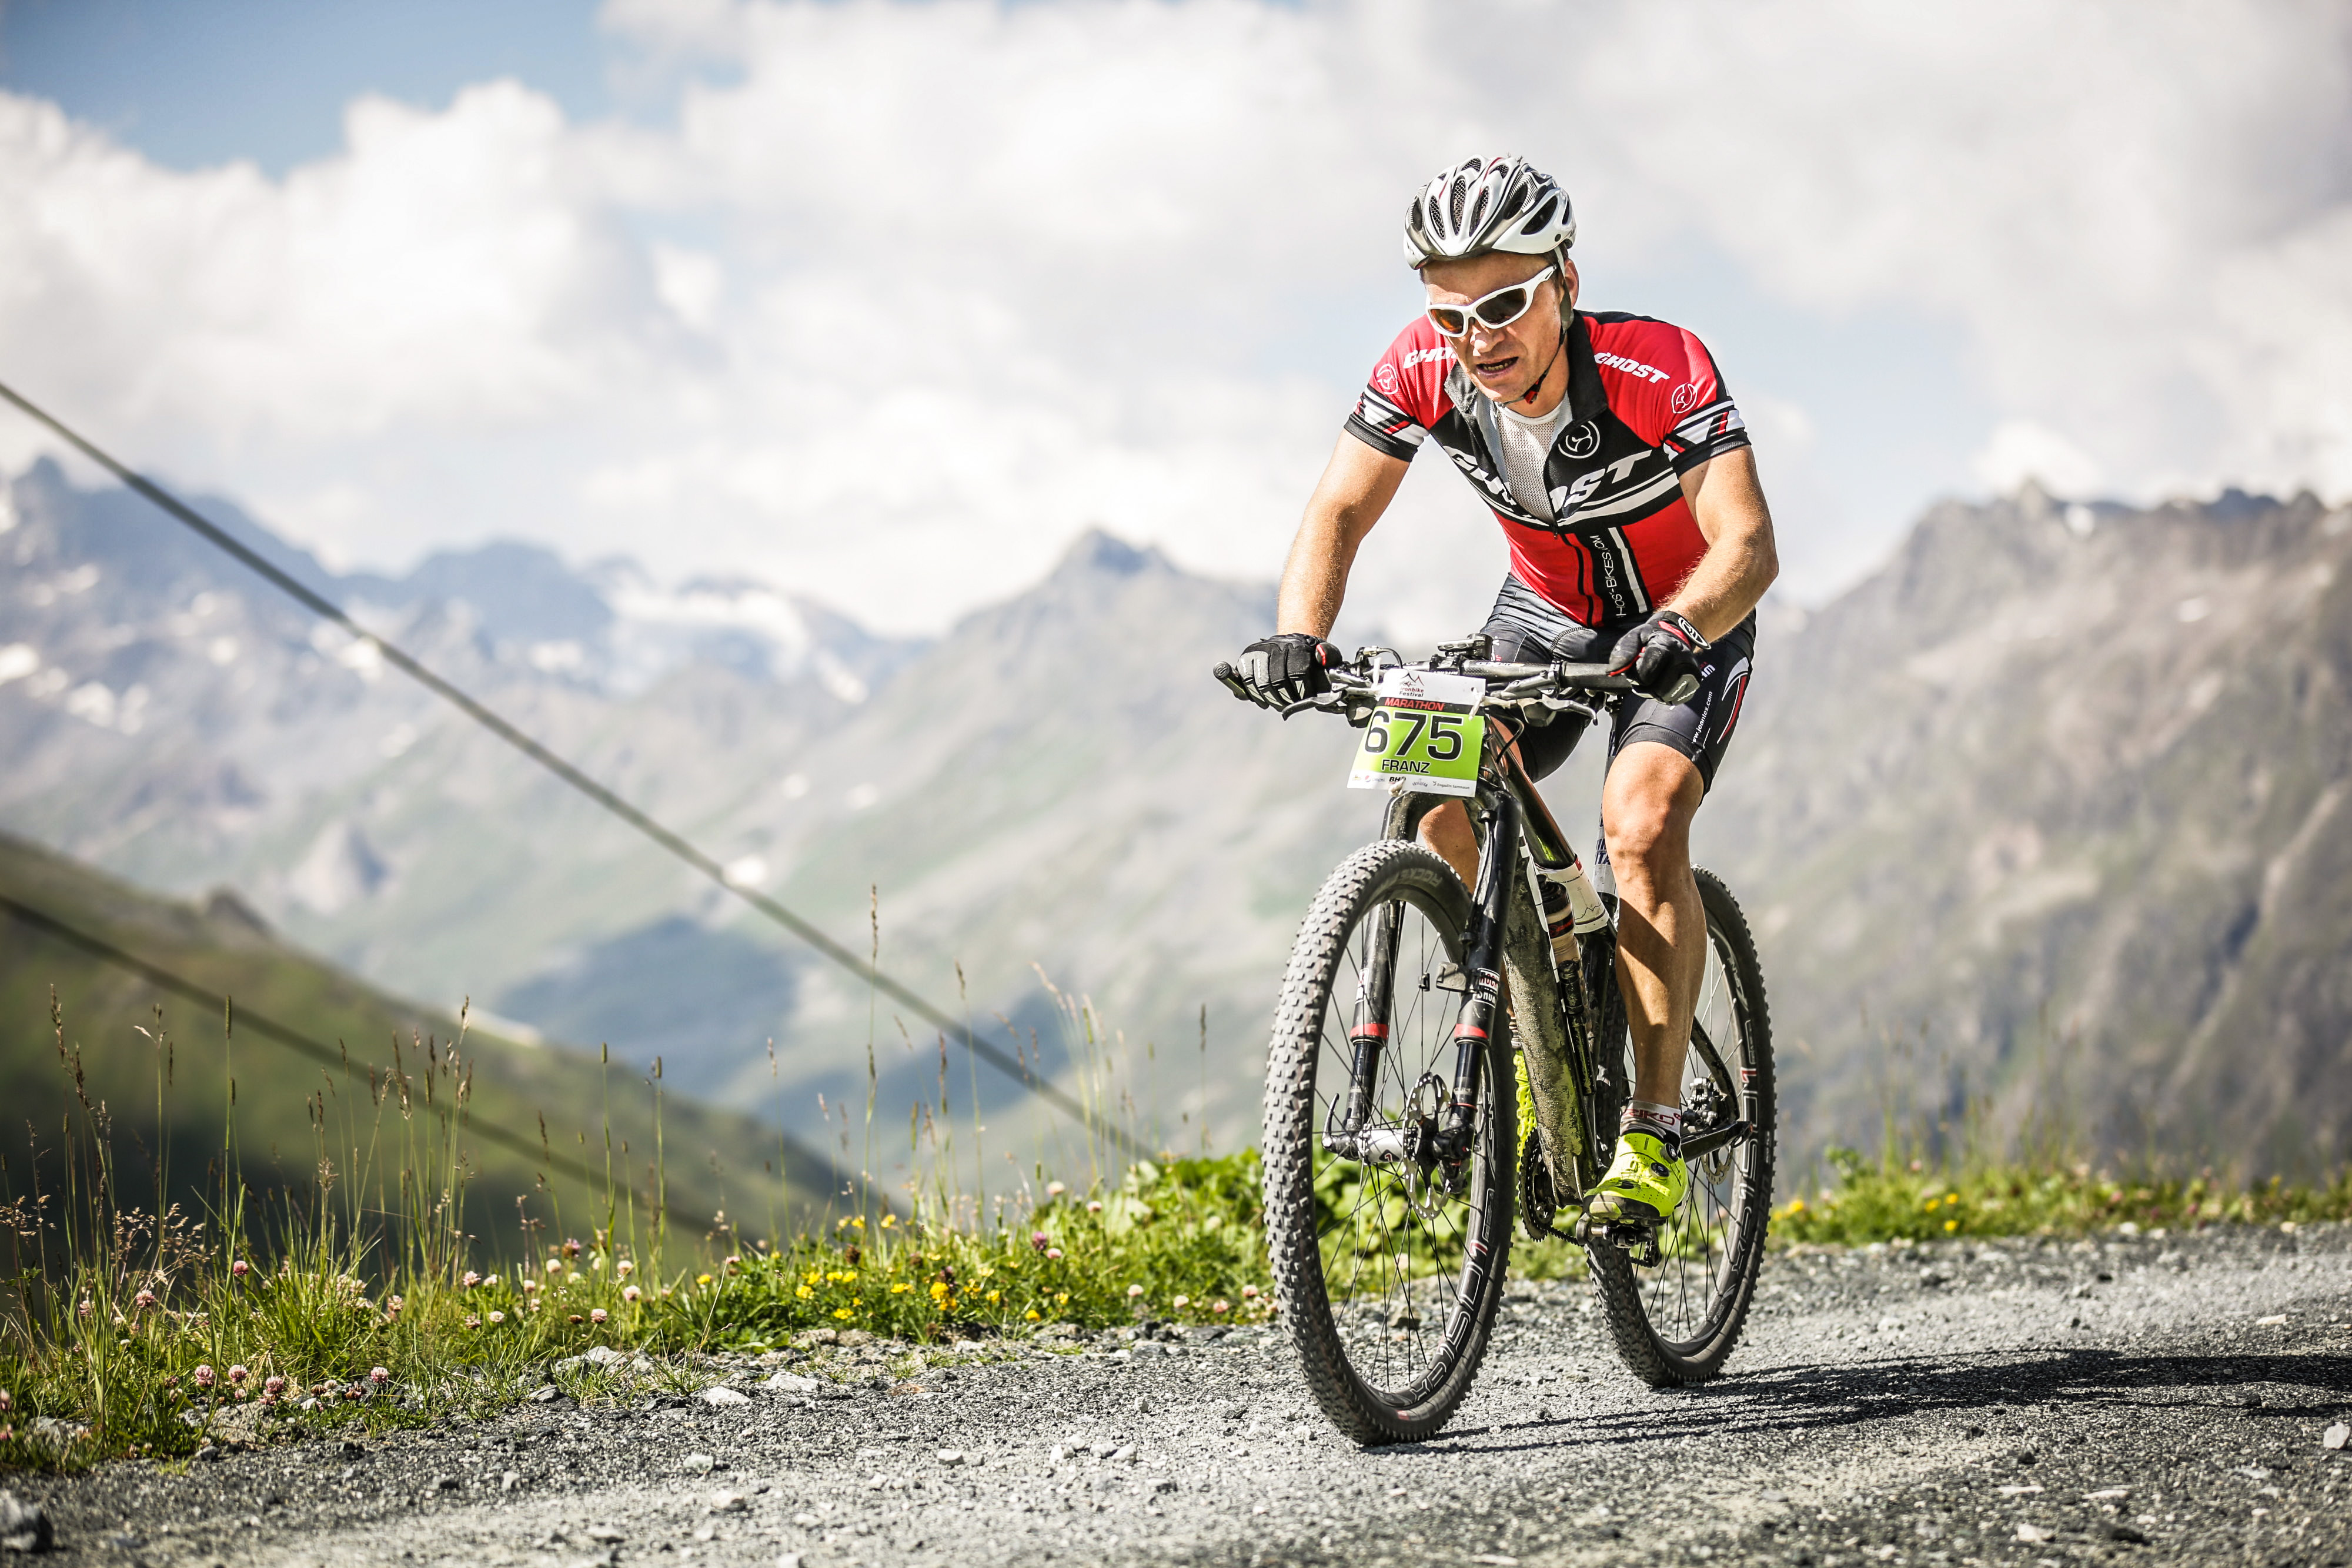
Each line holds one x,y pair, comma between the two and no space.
1314,1010
1679,1352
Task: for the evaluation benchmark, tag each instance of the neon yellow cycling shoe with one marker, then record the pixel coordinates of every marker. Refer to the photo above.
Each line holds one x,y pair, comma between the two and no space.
1644,1182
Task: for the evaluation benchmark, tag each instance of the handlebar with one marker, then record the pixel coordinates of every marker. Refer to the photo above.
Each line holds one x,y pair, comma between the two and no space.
1508,685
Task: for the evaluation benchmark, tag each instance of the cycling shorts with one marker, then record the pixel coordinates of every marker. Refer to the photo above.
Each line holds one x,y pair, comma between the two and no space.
1528,629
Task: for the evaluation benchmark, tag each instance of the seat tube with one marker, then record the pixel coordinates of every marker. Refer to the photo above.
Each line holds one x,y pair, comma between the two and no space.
1498,861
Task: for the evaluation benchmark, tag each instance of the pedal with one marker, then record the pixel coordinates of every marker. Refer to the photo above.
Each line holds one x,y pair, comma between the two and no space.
1637,1238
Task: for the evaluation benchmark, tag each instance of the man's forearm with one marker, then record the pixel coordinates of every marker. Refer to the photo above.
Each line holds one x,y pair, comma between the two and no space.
1315,577
1729,581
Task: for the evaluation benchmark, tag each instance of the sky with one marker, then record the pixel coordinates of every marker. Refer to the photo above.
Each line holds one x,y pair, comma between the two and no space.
885,302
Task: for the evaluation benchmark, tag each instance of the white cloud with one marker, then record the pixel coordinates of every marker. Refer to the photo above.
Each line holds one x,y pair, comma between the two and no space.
907,295
2021,451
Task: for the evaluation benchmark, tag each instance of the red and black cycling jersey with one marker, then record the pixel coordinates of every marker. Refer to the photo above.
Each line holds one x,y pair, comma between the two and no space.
1645,405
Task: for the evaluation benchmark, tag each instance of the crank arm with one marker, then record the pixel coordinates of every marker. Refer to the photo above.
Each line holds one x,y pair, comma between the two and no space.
1707,1143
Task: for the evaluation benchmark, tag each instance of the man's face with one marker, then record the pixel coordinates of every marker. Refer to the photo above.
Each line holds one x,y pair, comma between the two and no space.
1504,361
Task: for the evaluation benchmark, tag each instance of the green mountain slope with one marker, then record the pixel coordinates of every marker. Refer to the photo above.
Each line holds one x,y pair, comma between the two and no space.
534,1125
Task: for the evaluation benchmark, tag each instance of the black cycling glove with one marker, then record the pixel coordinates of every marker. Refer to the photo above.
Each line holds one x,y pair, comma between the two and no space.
1662,655
1276,671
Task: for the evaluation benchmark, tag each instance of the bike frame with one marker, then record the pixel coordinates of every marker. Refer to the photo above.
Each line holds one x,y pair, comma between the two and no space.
1507,949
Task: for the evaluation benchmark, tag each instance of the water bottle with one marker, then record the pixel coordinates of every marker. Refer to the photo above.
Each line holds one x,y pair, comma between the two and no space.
1570,908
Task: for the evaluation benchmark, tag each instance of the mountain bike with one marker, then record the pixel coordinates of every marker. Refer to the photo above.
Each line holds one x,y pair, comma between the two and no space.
1393,1151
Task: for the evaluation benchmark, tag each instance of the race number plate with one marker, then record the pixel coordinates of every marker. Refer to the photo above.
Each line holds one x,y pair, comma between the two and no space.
1425,736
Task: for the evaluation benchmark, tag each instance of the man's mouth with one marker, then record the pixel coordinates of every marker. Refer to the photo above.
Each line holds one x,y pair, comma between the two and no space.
1490,369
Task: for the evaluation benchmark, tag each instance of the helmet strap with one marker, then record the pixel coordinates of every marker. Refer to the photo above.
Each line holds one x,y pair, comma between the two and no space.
1567,312
1538,385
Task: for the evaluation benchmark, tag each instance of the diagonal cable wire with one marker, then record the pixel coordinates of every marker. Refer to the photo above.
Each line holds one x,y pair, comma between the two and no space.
676,844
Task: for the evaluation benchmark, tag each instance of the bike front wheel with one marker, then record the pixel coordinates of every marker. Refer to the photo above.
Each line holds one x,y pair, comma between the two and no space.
1676,1320
1389,1268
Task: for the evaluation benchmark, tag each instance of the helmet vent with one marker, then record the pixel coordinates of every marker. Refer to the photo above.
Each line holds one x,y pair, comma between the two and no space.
1511,208
1478,208
1454,202
1542,216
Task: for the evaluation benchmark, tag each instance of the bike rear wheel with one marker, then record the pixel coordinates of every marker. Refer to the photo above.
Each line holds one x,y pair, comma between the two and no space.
1388,1281
1674,1322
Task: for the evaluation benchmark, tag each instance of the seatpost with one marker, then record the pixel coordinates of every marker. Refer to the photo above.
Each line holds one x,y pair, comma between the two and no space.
1484,967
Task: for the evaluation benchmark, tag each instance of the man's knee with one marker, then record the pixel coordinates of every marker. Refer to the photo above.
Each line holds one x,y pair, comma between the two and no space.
1653,793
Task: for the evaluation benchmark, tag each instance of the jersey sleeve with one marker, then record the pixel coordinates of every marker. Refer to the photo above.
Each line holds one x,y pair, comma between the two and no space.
1405,393
1699,418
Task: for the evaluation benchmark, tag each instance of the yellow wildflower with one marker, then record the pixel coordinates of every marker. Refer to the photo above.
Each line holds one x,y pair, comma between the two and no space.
901,1288
844,1314
804,1292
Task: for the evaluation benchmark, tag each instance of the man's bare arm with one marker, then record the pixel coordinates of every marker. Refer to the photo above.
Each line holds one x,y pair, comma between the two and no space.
1740,561
1357,486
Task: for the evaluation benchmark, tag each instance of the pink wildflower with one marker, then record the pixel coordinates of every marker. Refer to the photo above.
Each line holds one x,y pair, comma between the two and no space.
1222,1306
554,1266
1039,1240
1054,1189
733,1262
142,1300
273,1386
87,1307
472,1280
529,1286
571,1249
472,1321
238,1374
1249,1293
631,1294
596,1314
379,1375
1053,1254
1093,1206
497,1317
204,1377
1133,1291
240,1269
625,1268
491,1279
7,1400
1180,1303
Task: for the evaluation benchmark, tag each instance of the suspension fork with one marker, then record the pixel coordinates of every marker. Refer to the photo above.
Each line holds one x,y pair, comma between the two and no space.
1498,863
1369,1032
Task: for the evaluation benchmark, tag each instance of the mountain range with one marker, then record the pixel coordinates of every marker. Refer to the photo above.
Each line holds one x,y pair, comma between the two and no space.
2036,815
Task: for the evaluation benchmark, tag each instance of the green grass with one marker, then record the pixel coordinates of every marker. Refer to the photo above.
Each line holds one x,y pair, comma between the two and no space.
1895,1196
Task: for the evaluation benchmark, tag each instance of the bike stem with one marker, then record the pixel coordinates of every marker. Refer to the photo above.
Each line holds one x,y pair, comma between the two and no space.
1483,965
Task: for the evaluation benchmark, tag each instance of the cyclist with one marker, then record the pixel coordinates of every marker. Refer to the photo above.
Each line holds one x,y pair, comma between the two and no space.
1611,453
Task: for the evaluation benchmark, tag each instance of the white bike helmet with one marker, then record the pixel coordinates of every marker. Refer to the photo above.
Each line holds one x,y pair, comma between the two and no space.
1503,203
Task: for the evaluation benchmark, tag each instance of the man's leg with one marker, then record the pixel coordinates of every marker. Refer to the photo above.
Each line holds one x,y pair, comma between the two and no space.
1445,831
1647,806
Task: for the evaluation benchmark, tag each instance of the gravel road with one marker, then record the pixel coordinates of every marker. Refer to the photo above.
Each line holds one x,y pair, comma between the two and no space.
2127,1399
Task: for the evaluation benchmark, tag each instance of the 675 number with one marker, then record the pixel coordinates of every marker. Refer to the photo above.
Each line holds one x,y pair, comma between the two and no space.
1443,734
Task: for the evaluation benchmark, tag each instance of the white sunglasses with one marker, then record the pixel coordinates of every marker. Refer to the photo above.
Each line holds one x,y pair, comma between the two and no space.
1494,311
